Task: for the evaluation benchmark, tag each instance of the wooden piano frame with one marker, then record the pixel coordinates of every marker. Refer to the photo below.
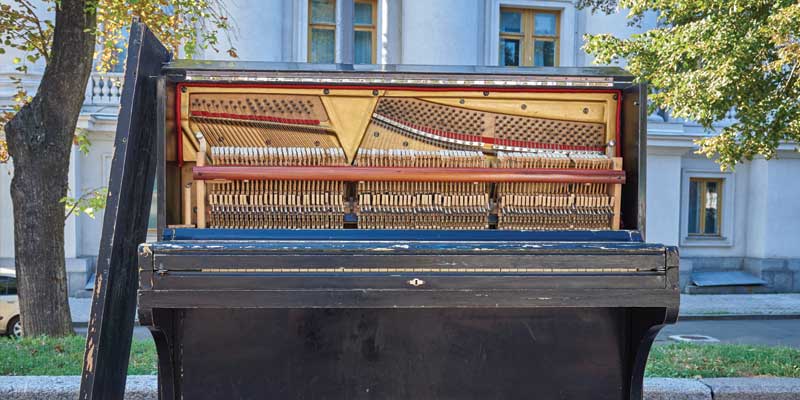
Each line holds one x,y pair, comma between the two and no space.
371,314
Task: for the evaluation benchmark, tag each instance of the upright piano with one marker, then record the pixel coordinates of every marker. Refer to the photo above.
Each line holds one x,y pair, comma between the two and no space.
399,232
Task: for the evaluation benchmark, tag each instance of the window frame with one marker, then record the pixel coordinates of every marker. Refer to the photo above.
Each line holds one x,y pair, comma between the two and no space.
728,212
528,35
373,28
701,218
325,25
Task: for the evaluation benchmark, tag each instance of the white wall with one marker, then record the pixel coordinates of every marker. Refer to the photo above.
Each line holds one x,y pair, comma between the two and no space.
663,196
6,213
441,32
259,31
94,169
774,209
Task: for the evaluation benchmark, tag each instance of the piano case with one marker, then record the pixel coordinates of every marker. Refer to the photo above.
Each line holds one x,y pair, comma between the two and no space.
353,312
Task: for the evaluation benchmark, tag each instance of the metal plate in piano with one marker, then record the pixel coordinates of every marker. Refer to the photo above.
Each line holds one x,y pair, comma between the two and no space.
300,107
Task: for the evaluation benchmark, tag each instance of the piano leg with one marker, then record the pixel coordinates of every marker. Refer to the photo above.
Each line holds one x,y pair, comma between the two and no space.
162,327
645,325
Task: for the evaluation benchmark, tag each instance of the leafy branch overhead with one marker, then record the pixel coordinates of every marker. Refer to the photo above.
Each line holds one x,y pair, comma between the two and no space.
706,58
187,26
87,203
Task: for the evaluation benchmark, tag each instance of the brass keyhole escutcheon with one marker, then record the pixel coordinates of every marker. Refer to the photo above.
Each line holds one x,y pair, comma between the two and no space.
416,282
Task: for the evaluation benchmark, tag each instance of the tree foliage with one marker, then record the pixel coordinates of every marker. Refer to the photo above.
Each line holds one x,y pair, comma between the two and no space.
186,26
708,57
87,203
69,37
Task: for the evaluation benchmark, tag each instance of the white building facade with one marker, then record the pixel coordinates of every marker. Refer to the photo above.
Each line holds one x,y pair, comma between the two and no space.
747,220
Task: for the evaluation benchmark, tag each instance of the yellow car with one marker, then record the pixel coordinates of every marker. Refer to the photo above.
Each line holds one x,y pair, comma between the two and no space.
9,304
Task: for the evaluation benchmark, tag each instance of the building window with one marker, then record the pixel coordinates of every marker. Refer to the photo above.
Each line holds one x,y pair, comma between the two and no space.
322,31
364,16
529,37
705,206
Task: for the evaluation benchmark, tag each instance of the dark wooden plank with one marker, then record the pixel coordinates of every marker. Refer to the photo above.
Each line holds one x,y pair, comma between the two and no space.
433,354
634,156
235,261
125,223
364,298
256,281
377,246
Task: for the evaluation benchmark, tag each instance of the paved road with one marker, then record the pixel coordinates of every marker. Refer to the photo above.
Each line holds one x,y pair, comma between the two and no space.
785,332
139,332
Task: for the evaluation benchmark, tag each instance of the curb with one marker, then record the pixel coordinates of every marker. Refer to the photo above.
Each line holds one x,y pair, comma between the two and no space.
138,387
736,317
143,387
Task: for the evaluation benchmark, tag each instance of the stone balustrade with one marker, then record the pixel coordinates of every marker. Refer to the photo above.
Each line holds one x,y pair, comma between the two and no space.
104,89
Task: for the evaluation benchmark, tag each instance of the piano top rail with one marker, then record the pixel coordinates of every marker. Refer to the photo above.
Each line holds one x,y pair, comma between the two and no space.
408,174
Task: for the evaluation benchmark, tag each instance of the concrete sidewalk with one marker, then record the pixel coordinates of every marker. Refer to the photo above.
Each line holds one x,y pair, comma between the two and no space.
693,306
144,387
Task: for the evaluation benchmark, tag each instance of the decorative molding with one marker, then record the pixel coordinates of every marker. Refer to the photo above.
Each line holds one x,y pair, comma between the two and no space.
301,30
104,89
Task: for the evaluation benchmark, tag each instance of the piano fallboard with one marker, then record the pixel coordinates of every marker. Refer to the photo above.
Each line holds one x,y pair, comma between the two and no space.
405,274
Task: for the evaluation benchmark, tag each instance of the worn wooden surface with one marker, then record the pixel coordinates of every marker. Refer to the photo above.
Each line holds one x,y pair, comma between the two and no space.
493,274
378,246
634,157
548,353
410,174
125,222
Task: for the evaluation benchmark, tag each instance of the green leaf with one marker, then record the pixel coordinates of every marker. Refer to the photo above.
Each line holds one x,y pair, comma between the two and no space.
705,58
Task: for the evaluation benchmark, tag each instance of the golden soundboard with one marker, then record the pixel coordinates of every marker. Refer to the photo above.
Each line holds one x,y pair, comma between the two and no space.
308,157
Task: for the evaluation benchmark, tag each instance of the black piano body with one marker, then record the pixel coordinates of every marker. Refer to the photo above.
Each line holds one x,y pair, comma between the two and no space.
506,314
493,312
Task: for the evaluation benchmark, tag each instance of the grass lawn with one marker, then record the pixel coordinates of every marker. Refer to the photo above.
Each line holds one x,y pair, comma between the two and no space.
47,356
64,356
722,360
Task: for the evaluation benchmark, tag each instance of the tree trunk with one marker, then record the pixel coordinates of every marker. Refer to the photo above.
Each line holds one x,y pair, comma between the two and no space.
39,140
